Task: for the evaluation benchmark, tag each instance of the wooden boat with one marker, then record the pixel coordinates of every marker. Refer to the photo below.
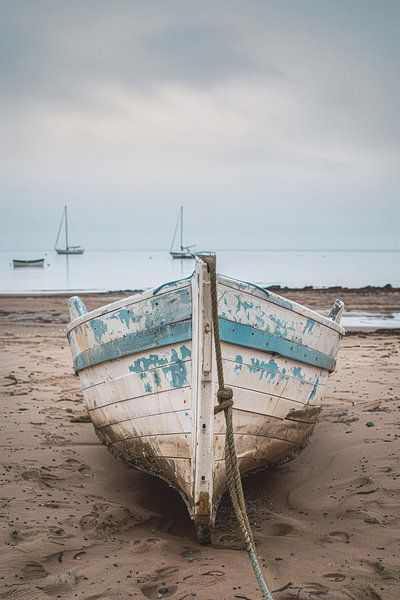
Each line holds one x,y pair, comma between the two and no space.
147,369
184,251
66,249
36,262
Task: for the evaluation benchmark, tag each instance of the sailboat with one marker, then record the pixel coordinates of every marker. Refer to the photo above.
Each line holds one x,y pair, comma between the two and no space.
67,249
184,251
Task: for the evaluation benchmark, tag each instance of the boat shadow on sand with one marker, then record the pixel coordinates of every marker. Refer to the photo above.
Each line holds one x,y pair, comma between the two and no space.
170,515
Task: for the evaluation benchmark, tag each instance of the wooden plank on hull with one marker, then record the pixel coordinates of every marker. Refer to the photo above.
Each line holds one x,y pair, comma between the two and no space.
172,469
120,367
152,404
262,447
276,453
270,363
271,383
139,385
268,405
173,445
256,424
176,422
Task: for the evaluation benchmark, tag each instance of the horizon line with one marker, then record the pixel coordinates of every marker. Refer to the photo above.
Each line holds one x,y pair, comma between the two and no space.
167,251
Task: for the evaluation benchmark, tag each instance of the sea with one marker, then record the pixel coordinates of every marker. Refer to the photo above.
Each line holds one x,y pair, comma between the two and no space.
123,270
114,270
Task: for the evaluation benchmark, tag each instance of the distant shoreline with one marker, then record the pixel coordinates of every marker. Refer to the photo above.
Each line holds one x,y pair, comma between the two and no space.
387,289
370,306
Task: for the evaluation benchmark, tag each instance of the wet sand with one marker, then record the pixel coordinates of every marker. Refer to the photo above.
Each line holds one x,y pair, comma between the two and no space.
75,523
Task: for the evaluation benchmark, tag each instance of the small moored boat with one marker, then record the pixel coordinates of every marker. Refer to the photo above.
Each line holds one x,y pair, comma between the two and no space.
66,248
183,251
148,372
36,262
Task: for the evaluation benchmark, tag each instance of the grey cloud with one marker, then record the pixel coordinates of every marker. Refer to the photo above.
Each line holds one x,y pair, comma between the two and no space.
54,50
287,107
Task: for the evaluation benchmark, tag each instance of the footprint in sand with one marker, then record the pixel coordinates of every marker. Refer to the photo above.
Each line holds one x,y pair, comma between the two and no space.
41,476
71,464
334,576
34,570
30,533
190,555
157,585
106,520
372,567
315,589
143,545
279,529
51,439
364,591
56,504
53,413
206,579
338,536
60,584
158,591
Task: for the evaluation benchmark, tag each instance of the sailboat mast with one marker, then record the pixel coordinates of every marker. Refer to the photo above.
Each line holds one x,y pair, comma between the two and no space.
181,227
66,227
59,231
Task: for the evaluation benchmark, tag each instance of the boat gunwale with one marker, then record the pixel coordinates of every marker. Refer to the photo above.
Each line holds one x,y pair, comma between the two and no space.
251,289
89,357
125,302
265,294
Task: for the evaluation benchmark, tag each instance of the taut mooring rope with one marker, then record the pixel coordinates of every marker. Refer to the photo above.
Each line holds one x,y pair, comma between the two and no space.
225,403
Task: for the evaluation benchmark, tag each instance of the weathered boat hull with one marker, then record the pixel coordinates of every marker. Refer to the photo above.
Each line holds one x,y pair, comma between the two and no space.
17,263
146,366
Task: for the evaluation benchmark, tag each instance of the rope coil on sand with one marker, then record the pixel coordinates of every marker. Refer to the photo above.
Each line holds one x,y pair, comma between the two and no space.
225,403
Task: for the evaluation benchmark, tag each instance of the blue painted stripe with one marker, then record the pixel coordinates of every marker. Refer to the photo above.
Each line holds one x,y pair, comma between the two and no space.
132,343
174,333
249,337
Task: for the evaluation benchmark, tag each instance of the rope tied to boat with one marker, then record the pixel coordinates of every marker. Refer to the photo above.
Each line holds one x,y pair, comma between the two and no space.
224,400
225,403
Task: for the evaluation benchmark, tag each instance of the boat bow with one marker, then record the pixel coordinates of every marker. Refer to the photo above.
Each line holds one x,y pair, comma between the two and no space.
147,368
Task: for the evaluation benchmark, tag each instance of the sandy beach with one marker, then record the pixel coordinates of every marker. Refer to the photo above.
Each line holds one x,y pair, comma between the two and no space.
75,523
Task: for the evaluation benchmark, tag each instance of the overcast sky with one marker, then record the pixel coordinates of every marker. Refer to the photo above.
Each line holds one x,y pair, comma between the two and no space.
276,124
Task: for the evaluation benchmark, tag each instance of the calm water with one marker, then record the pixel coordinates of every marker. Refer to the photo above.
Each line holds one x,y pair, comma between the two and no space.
121,270
356,320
